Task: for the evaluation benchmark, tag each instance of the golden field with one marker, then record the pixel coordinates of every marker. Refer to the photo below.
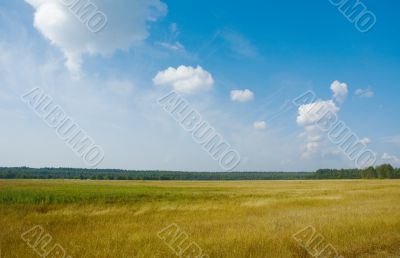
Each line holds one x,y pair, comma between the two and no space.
359,218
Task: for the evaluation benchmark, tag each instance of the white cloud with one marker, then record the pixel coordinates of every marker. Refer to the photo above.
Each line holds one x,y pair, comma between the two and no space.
135,133
172,42
242,95
340,91
311,113
365,141
391,158
185,79
260,125
177,46
239,44
126,27
308,116
365,93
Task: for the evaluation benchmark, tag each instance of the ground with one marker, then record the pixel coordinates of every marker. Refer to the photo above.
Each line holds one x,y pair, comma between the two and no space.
358,218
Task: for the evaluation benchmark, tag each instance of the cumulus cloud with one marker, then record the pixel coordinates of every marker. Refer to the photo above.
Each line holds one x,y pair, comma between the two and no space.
260,125
126,26
318,114
185,79
242,95
308,117
340,91
309,114
365,141
365,93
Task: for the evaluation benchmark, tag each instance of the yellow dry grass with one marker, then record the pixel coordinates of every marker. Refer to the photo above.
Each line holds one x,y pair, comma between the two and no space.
226,219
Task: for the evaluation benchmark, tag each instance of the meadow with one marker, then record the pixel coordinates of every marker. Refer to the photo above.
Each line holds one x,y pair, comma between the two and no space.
359,218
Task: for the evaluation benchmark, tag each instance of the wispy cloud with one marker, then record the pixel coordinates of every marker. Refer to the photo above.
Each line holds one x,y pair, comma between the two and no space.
176,46
171,42
390,158
364,93
239,44
394,139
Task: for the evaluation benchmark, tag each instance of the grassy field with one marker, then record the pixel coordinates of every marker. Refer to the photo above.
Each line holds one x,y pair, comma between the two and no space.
225,219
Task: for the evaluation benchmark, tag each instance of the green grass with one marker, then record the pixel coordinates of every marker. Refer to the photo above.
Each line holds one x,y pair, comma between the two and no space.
226,219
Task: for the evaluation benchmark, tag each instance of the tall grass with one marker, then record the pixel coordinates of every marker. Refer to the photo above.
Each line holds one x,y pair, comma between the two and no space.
226,219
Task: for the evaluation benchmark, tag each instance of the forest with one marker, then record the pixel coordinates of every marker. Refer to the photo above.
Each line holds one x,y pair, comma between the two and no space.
379,172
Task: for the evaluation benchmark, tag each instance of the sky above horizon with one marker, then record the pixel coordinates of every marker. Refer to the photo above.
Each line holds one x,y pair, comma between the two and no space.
240,65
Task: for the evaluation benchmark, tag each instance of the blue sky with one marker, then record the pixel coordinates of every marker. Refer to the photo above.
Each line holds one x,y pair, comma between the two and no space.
274,50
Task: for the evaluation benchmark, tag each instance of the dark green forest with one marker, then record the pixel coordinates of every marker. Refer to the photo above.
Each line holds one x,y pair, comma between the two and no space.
380,172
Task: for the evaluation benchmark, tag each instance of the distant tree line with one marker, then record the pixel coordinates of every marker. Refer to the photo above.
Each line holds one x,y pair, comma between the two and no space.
115,174
379,172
